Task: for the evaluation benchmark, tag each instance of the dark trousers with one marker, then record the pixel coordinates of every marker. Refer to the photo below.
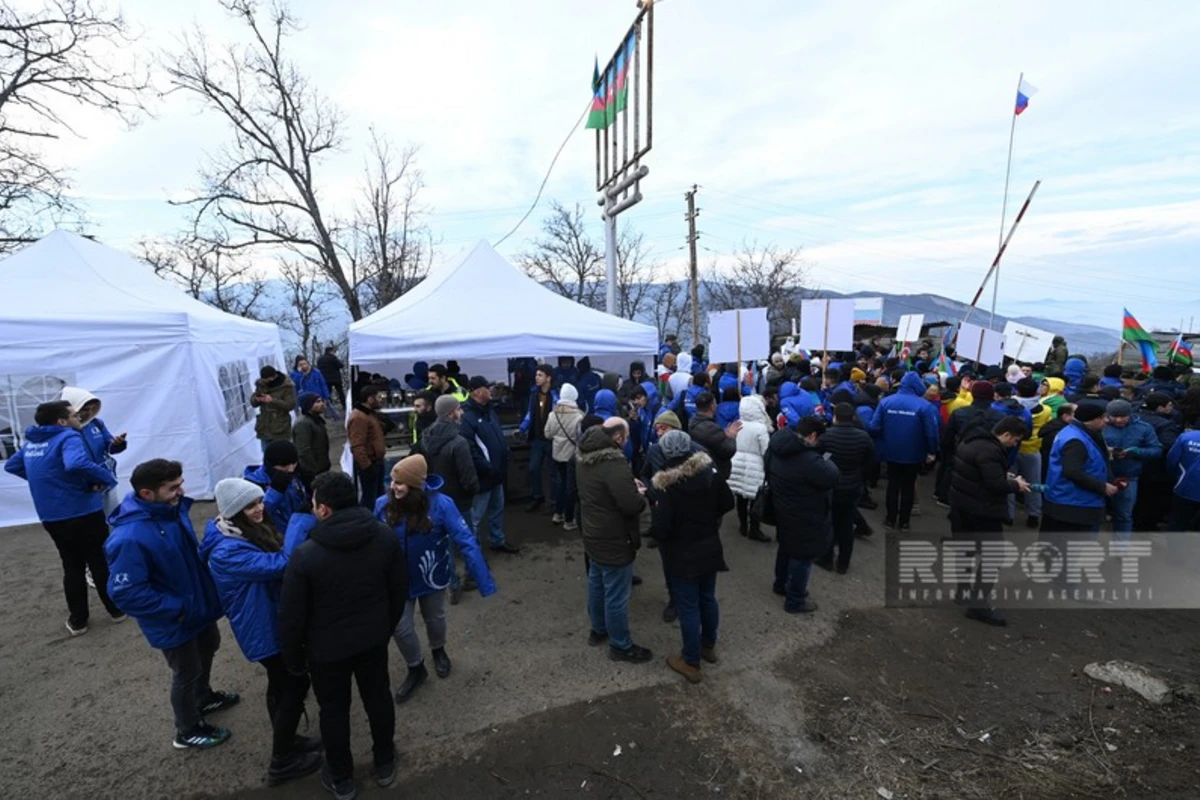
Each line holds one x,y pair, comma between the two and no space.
80,543
901,491
285,703
1185,515
191,666
972,528
945,469
699,614
845,515
331,685
370,484
564,499
747,519
336,389
1153,504
791,578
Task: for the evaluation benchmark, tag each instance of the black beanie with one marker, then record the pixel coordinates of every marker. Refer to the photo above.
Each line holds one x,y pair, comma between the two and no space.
1112,371
1086,412
280,453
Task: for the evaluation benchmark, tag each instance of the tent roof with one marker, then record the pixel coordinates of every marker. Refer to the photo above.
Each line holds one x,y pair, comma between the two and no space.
483,307
67,279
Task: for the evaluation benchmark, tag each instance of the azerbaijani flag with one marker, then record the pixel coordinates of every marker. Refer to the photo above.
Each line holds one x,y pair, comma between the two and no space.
1134,333
596,117
948,338
1025,90
1180,352
945,365
610,94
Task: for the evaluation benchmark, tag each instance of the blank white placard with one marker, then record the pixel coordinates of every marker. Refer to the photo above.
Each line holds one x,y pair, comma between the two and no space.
723,335
1026,343
827,325
909,329
981,345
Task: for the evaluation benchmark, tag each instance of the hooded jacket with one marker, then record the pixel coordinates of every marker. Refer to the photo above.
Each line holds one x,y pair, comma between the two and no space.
281,505
95,433
728,412
609,501
802,483
606,404
747,471
906,423
1073,372
1039,415
642,431
156,573
427,554
1140,444
979,483
311,438
449,457
313,382
343,592
691,498
274,421
330,367
248,580
708,434
562,429
794,404
1183,464
481,428
1054,398
64,480
853,453
589,383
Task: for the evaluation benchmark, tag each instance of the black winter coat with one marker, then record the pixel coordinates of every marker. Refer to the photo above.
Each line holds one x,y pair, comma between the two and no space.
708,434
1167,429
480,424
449,457
692,497
344,590
802,482
853,453
979,483
967,420
311,438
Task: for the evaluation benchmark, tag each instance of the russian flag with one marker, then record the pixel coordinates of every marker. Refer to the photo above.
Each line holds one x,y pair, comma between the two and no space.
1025,90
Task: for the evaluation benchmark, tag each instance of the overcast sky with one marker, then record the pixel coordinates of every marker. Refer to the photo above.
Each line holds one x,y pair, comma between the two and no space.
873,134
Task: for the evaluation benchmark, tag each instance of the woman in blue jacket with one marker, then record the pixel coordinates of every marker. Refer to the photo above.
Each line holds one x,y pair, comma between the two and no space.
426,520
245,554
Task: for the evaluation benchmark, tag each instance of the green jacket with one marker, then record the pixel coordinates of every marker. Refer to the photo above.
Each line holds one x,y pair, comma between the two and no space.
609,503
275,416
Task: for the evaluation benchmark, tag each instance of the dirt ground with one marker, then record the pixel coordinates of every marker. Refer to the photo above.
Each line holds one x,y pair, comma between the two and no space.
853,701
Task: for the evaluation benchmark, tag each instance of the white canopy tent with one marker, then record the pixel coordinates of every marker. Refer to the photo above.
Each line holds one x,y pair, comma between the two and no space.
480,311
175,374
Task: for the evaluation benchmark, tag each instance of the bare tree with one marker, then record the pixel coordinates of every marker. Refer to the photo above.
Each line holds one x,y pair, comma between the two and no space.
763,276
637,271
208,274
391,248
565,259
261,190
307,293
671,309
52,60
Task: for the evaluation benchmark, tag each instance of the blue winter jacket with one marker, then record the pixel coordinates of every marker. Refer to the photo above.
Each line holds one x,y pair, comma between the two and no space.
1073,372
280,505
907,423
588,384
527,420
298,529
97,439
1183,464
1140,443
156,574
728,412
481,425
420,376
1062,490
689,399
1106,381
699,365
428,554
313,382
606,404
61,473
795,404
642,431
248,582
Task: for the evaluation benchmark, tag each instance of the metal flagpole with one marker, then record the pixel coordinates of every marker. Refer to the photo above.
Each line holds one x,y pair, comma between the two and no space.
1004,208
1000,253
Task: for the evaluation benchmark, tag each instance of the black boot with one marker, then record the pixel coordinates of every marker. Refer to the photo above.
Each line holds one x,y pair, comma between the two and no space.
292,766
441,662
416,676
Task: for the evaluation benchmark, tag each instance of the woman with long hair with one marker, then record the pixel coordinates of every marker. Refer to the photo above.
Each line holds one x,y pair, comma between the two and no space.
426,520
247,557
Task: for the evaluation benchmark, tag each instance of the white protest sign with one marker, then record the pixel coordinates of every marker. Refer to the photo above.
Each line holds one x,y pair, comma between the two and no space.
981,345
1026,343
909,329
740,335
827,325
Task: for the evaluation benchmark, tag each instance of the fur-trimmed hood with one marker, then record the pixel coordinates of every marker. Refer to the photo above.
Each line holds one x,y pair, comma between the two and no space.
693,465
596,446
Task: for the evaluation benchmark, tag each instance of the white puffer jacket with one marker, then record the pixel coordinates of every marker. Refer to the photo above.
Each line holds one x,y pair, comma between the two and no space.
748,471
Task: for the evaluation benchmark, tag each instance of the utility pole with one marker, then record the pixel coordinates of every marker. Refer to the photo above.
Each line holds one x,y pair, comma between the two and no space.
694,273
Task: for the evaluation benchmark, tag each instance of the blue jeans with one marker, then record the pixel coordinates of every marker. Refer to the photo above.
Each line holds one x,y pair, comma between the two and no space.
564,489
608,603
539,453
791,575
1121,505
488,506
699,614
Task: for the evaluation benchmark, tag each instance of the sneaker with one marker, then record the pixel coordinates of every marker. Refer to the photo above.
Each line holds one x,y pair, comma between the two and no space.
558,519
905,528
416,676
864,531
291,767
757,535
76,630
709,653
689,671
596,639
441,662
340,788
943,504
889,526
570,525
670,614
119,618
510,549
634,655
219,701
807,607
385,775
202,737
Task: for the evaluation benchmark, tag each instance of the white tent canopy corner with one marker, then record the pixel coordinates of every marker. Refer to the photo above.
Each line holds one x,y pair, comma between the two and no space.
172,372
480,310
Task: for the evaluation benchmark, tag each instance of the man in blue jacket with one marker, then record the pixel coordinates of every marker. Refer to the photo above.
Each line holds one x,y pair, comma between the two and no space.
156,575
68,486
1183,463
1132,443
481,428
308,379
278,477
907,424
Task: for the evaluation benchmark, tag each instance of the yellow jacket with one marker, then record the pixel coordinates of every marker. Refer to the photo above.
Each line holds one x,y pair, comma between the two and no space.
1041,415
962,401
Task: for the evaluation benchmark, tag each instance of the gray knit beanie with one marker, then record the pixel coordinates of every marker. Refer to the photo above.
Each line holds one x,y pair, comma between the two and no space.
444,406
235,494
675,444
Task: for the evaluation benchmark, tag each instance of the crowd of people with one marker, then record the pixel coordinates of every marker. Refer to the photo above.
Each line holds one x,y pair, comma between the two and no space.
316,570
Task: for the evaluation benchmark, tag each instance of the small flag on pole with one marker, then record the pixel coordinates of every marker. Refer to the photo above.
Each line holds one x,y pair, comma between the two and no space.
610,93
1180,352
945,365
1025,90
1134,333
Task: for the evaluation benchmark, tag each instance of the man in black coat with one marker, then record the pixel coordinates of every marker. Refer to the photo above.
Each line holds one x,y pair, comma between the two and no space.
979,488
1157,484
721,445
343,594
853,453
802,483
489,450
978,416
330,367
